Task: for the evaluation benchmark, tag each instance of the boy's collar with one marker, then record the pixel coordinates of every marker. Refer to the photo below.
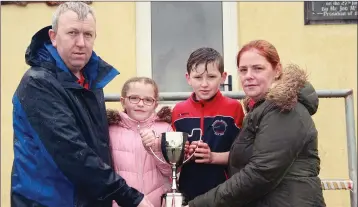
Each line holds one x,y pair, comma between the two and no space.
217,95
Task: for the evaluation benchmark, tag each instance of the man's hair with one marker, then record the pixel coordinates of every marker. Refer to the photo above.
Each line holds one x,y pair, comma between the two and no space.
204,55
80,8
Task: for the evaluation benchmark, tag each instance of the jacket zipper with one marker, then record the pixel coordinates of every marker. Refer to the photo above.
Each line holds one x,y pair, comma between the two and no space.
202,119
142,171
88,114
75,200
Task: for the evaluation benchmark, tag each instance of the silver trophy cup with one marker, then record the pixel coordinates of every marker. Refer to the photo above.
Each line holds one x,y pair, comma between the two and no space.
172,145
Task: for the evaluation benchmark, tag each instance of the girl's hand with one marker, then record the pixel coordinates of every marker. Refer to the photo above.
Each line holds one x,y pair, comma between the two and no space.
148,137
145,202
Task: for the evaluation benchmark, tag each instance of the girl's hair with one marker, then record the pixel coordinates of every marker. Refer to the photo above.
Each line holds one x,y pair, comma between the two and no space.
264,48
145,80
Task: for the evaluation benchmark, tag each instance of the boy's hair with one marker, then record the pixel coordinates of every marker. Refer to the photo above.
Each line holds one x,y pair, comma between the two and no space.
204,55
145,80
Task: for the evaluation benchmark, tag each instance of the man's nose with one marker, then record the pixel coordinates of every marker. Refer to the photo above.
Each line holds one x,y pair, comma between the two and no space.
80,41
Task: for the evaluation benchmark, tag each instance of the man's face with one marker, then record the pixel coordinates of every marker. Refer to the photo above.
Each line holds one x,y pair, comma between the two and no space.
206,82
74,39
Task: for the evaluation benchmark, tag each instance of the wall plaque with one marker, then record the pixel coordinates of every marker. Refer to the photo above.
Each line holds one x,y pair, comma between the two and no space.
330,12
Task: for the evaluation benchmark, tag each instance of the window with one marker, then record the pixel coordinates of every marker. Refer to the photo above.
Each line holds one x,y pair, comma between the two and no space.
178,28
167,32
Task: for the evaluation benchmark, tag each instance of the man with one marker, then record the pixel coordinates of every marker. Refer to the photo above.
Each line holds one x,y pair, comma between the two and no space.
61,153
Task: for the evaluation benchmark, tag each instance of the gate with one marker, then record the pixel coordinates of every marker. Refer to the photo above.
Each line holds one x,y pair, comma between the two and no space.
327,184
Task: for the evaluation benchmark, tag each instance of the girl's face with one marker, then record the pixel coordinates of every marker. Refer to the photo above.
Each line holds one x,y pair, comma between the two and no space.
139,102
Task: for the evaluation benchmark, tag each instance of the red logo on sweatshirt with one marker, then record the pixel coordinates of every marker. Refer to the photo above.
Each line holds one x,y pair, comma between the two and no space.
219,127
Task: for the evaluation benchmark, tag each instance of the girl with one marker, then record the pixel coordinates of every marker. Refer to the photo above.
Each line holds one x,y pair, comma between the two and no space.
132,134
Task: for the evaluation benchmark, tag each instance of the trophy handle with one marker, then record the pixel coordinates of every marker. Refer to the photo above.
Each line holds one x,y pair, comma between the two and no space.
156,135
192,134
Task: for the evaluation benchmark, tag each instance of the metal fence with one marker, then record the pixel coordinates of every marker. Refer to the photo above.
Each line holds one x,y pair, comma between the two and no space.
327,184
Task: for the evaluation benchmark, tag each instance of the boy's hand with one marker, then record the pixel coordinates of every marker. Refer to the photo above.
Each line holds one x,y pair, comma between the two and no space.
148,137
189,149
192,147
203,153
186,150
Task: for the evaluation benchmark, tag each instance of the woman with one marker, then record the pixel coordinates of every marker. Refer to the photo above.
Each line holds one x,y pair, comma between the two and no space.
274,161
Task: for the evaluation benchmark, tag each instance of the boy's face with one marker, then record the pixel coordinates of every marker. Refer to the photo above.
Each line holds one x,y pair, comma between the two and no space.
205,83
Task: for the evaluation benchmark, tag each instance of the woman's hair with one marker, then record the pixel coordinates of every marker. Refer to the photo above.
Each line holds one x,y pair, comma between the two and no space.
264,48
145,80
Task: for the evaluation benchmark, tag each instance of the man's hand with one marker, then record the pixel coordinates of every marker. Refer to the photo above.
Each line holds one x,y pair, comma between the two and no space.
145,203
148,137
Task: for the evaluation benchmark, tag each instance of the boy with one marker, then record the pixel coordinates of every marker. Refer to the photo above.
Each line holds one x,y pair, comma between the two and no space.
218,117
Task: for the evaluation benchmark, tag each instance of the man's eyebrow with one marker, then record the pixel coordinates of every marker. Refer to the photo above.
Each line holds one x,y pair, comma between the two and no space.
73,28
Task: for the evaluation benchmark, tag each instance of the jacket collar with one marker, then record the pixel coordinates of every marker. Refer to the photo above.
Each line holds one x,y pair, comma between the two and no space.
130,123
41,53
206,103
292,87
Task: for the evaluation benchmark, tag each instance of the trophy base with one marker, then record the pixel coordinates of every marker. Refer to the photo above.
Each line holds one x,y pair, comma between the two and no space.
172,200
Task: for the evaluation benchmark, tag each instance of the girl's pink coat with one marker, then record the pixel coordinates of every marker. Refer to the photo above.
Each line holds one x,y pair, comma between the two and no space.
134,163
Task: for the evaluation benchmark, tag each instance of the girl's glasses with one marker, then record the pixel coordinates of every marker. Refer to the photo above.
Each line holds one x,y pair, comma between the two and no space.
136,99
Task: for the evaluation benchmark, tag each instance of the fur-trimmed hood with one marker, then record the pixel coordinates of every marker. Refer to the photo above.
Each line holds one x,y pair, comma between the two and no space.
292,87
163,115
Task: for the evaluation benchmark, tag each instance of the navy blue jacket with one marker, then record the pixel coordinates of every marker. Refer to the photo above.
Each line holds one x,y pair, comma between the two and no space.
61,155
220,120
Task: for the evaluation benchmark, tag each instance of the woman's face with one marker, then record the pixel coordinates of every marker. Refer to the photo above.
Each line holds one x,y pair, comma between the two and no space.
256,74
